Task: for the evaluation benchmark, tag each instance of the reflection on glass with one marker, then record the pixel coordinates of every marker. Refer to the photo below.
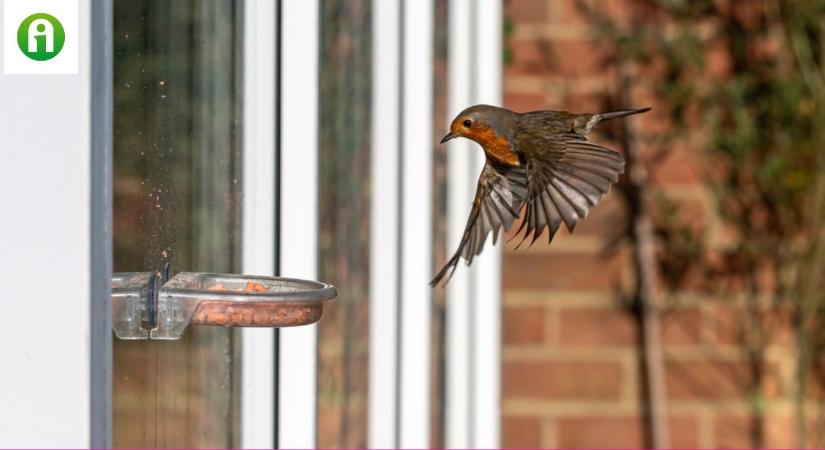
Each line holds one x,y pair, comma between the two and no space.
439,311
177,198
345,86
344,222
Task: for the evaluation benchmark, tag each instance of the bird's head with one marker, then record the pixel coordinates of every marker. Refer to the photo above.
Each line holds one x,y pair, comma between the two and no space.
481,123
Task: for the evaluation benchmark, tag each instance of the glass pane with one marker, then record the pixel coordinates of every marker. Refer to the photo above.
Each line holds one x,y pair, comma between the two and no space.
177,200
344,222
440,251
346,45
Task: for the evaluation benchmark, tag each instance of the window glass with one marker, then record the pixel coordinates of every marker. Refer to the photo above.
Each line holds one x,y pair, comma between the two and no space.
345,88
344,221
177,191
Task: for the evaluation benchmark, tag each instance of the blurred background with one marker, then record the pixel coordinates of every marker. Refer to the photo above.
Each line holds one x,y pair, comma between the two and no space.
716,229
686,311
725,183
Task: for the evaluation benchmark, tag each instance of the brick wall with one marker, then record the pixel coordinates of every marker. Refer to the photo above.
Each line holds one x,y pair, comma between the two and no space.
570,360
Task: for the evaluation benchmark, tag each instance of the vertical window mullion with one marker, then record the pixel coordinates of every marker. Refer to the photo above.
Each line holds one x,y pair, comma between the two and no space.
298,347
486,315
416,223
258,223
101,224
384,225
460,191
474,295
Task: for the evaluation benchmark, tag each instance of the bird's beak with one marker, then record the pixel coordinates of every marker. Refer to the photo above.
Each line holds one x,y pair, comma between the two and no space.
449,136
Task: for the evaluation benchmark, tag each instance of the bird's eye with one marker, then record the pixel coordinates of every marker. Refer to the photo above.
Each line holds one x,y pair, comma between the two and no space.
468,123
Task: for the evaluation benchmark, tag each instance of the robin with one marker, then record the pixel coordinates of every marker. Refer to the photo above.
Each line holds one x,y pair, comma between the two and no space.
538,160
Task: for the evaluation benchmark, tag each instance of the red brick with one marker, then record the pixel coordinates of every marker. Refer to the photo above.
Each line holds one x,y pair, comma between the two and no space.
525,102
564,58
677,168
749,13
568,13
653,124
718,61
780,431
531,57
329,425
765,47
526,11
603,327
684,432
732,432
600,432
724,323
578,58
706,380
523,325
584,103
521,432
716,380
622,432
682,327
780,326
567,271
728,321
562,380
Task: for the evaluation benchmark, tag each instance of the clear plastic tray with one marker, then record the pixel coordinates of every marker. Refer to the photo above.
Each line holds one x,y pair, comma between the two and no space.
212,299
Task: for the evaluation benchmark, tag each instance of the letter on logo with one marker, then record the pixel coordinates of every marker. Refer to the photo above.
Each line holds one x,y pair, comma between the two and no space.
41,27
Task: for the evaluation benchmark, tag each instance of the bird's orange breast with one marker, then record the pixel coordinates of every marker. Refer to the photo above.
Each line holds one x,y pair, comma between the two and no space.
497,148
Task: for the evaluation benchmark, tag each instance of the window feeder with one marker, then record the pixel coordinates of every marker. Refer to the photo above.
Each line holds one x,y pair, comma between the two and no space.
146,305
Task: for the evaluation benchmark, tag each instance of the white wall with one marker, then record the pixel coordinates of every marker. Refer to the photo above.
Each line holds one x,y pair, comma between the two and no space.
45,178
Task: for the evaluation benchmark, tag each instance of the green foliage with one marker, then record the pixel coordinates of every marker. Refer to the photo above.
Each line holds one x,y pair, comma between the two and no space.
507,32
744,83
757,117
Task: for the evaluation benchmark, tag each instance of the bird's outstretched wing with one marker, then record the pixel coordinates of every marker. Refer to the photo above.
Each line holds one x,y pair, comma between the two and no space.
499,196
567,175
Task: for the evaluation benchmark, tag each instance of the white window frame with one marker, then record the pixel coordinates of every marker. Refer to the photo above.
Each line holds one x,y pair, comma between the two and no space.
416,223
384,226
258,380
474,296
298,347
58,183
401,224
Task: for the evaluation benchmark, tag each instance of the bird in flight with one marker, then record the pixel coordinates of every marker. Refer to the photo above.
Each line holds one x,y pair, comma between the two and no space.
538,160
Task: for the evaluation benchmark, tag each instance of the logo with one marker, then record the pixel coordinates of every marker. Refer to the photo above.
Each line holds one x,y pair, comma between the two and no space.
41,37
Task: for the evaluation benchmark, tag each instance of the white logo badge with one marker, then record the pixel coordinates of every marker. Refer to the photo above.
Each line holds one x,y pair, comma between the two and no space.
40,37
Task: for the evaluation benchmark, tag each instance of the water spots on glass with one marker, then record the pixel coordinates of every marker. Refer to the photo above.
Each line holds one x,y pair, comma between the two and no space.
177,201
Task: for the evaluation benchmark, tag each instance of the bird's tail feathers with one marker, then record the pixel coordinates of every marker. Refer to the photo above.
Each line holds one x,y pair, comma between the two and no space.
619,114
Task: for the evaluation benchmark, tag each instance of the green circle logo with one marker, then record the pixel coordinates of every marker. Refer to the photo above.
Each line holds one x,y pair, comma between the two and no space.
41,37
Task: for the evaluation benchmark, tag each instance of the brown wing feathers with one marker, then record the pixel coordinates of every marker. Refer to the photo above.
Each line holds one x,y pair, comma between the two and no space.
561,183
500,194
566,179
